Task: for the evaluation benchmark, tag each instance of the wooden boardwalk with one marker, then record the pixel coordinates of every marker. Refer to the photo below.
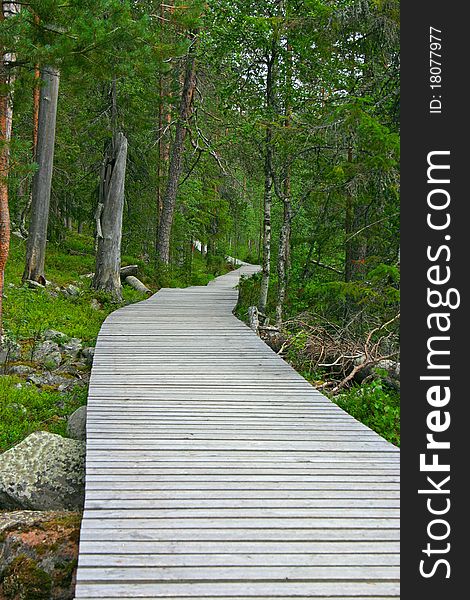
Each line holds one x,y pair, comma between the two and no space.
215,471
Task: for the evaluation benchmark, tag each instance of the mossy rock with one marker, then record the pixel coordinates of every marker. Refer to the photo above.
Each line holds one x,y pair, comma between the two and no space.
23,579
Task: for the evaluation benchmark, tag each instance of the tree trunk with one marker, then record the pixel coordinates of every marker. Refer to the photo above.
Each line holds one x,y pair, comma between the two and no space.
109,219
6,116
37,238
284,238
268,187
176,161
283,258
36,100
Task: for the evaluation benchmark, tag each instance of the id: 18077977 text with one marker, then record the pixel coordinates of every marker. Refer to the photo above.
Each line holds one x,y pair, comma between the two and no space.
435,70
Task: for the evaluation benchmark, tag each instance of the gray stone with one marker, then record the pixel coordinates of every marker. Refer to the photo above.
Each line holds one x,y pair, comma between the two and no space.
17,408
55,336
88,354
9,350
20,370
44,472
72,348
76,424
95,304
48,353
71,291
49,379
34,285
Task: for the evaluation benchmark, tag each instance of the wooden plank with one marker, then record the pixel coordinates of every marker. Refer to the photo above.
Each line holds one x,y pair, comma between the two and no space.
214,470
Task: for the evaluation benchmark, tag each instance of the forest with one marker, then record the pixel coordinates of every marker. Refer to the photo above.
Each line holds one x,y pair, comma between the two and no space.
165,137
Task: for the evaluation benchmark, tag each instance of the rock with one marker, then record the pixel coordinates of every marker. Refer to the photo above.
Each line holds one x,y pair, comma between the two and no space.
49,379
17,408
71,291
76,424
95,305
55,336
9,350
72,348
39,553
43,472
88,354
20,370
48,353
34,285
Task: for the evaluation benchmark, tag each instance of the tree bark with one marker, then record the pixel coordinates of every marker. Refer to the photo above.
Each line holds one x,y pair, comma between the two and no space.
6,117
37,238
176,160
285,235
109,219
283,258
268,185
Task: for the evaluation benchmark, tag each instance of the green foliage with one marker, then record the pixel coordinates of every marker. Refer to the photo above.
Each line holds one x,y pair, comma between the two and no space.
26,409
375,406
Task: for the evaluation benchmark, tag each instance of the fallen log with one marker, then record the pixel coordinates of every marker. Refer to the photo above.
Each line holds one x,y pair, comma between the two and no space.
129,270
137,284
124,272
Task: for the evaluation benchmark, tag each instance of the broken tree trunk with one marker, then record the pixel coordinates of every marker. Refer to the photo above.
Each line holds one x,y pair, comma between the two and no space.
37,238
109,219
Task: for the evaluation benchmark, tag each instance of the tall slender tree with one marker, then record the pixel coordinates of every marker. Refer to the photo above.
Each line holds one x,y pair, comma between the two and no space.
42,181
7,59
176,154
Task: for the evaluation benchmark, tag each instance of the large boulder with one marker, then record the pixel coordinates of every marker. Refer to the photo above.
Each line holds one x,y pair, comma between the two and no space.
43,472
38,555
76,424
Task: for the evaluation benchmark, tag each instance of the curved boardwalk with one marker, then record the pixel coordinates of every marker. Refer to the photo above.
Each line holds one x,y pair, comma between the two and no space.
215,471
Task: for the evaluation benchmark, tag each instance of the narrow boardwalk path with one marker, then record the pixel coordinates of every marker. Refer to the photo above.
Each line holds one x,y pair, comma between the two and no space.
215,471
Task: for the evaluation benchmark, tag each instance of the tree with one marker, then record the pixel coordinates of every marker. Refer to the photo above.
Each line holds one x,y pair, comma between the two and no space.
7,59
109,219
41,196
176,155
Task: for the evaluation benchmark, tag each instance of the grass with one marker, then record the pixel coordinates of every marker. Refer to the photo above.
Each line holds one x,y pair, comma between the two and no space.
28,409
375,406
28,313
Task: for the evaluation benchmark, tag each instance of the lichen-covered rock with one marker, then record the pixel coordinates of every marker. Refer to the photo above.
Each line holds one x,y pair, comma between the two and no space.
76,424
38,555
88,354
48,353
43,472
9,350
20,370
95,305
49,379
55,336
71,291
72,347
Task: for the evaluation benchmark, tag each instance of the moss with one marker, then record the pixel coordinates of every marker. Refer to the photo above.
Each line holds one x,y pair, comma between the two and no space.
24,580
64,572
72,520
